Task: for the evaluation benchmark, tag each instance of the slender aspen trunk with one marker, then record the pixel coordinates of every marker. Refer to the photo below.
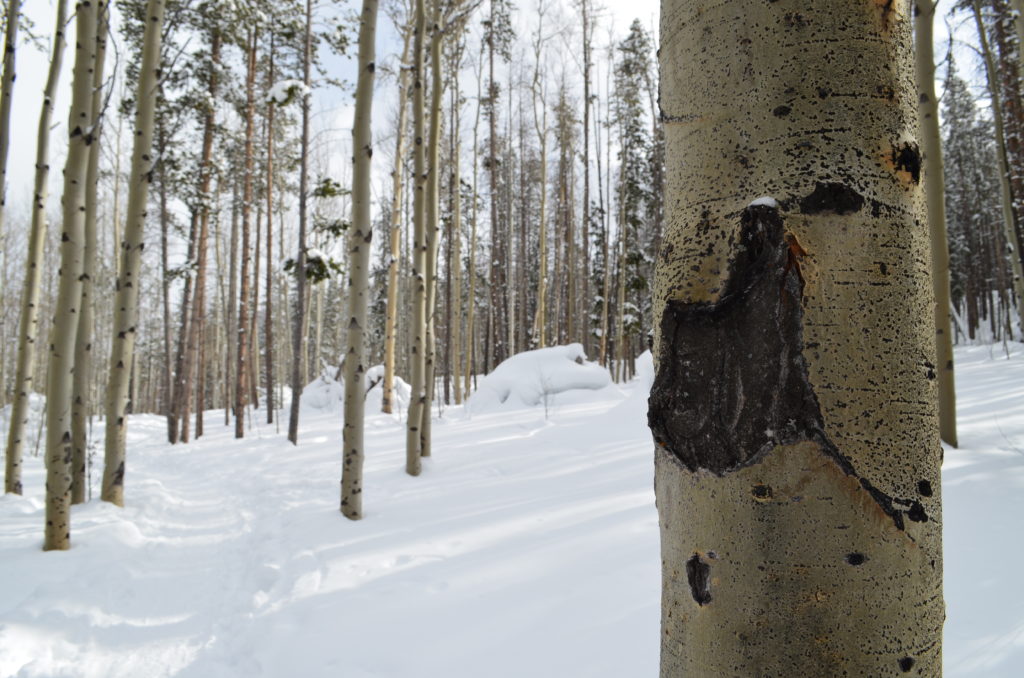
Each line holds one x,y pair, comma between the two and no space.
413,441
242,366
391,321
6,96
606,275
29,321
231,325
60,368
471,260
81,402
298,350
804,496
1010,225
928,108
455,265
165,282
196,325
541,127
585,231
360,237
126,301
268,320
433,230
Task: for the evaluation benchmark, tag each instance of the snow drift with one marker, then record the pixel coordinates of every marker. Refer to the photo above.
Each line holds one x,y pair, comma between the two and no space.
327,393
528,379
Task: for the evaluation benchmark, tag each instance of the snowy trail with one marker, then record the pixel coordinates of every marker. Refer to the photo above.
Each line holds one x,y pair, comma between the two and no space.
528,547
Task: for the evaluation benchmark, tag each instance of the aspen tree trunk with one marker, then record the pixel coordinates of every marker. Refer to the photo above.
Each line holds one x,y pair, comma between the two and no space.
470,364
165,279
61,365
231,325
242,366
794,407
456,233
268,320
6,94
928,108
81,402
413,441
586,299
126,301
192,363
29,320
606,277
360,238
433,229
1010,225
391,321
540,124
298,373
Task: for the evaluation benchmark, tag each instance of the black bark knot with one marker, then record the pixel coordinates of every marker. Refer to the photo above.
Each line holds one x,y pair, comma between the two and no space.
832,197
698,574
731,381
907,158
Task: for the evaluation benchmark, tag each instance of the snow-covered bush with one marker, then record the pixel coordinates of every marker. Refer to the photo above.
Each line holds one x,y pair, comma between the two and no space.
532,378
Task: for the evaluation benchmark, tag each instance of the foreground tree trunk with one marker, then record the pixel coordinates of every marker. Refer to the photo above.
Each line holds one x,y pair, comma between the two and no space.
61,365
794,407
126,301
242,364
928,104
81,405
360,239
413,441
29,320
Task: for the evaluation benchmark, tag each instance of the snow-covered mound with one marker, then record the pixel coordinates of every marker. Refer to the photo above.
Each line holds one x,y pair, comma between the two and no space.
528,379
327,393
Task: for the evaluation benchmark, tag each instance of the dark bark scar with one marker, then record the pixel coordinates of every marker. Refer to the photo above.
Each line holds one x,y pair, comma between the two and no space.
732,382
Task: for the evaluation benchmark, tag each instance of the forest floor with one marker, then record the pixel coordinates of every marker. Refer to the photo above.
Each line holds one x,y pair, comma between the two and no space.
528,547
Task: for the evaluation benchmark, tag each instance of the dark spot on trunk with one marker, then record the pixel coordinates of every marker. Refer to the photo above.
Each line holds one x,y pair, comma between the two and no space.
118,478
698,574
855,558
761,492
782,111
907,158
925,488
832,197
906,664
917,513
731,383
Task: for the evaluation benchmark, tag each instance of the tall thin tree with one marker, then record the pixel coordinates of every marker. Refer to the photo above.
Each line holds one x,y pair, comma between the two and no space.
29,320
126,300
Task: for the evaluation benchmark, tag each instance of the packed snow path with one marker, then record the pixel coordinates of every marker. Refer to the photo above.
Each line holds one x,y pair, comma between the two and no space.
528,547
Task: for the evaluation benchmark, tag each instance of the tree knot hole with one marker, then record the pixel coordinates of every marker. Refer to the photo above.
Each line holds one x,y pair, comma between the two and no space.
698,574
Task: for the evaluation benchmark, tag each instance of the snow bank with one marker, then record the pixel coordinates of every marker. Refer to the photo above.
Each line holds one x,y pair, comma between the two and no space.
327,394
528,379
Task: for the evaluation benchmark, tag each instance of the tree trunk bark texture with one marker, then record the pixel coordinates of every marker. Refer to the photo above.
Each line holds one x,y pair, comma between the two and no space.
360,239
126,300
61,364
795,404
29,320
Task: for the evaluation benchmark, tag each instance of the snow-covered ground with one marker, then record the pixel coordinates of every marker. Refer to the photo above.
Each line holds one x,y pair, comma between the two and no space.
528,547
